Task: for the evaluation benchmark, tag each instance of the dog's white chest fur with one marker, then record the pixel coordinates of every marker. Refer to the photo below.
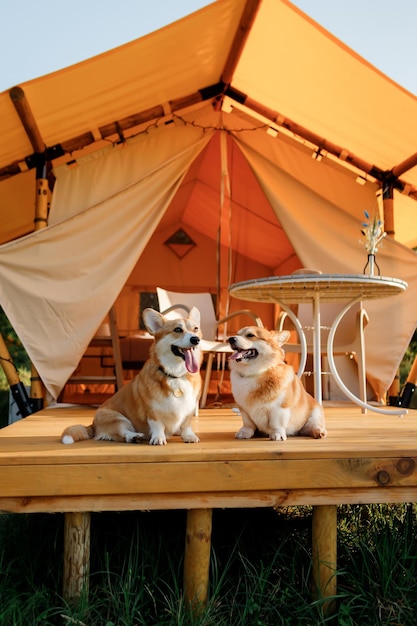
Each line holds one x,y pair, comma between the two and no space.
242,386
179,403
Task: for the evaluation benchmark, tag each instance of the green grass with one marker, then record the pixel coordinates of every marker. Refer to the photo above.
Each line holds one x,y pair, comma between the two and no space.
260,569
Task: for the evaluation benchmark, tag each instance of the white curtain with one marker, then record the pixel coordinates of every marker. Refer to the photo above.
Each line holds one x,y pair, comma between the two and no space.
58,284
327,238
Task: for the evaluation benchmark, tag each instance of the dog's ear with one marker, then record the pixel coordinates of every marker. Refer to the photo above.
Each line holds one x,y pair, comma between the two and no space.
194,314
153,320
282,336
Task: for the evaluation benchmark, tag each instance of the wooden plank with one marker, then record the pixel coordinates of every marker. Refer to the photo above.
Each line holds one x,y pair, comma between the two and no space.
221,500
36,439
206,476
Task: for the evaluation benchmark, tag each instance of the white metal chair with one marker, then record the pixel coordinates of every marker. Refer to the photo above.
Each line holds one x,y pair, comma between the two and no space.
172,304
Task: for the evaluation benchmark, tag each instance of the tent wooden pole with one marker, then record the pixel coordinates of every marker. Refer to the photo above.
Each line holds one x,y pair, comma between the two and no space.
388,205
37,389
405,165
42,203
388,208
24,111
242,32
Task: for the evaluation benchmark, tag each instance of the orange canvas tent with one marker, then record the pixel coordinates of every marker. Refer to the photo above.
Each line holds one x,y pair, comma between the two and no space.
245,125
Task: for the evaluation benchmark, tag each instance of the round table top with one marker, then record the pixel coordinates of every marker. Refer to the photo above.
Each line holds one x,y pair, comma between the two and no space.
298,288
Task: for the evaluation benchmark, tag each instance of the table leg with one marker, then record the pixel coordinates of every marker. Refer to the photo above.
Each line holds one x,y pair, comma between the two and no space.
76,555
206,382
339,381
301,336
197,556
318,394
324,551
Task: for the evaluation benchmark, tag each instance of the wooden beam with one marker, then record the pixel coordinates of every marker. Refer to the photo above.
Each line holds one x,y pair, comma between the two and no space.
241,35
27,118
404,166
321,142
214,93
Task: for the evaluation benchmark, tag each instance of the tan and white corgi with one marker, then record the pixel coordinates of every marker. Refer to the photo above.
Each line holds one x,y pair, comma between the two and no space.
270,396
162,399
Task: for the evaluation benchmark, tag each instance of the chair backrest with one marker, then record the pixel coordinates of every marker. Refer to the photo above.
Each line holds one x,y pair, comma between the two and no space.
203,302
347,330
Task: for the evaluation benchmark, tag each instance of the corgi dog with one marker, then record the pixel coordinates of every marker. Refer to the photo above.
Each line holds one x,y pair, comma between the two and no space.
271,398
162,399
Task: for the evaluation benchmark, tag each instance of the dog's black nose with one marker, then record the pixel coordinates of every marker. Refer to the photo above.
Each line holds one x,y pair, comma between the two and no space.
195,340
232,340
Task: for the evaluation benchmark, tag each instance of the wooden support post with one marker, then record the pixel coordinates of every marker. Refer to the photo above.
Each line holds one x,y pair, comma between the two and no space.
324,551
42,198
76,555
197,556
37,389
24,111
388,206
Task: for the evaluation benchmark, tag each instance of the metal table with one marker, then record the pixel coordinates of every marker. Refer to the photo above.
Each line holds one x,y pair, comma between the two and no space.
318,288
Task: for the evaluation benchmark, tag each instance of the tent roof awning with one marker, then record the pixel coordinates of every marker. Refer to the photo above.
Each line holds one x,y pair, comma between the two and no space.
264,54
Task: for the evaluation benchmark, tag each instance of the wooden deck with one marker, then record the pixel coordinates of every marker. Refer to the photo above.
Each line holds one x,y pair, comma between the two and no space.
365,458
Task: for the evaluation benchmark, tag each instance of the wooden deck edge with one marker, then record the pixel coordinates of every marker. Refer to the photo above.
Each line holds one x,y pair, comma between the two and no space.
220,500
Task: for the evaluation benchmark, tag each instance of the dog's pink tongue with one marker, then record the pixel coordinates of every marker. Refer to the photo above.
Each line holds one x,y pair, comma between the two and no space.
191,361
235,355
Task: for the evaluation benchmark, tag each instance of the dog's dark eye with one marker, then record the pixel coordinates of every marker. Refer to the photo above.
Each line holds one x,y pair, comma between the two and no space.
196,329
250,335
178,329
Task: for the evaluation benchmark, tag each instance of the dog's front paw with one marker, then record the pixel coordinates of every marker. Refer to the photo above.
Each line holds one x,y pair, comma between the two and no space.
278,436
157,441
245,433
319,433
134,437
190,438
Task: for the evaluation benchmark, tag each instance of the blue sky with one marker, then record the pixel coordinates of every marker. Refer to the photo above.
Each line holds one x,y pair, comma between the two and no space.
38,38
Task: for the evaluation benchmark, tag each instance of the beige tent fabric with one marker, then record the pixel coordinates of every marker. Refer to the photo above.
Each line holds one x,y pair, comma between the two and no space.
328,239
65,278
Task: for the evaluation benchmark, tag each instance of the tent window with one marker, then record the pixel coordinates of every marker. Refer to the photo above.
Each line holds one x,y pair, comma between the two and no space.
180,243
